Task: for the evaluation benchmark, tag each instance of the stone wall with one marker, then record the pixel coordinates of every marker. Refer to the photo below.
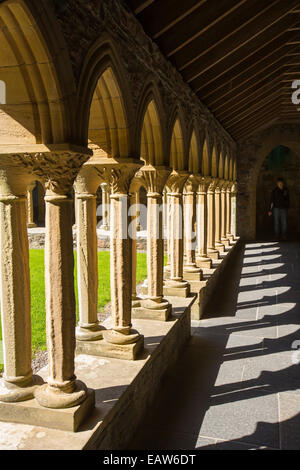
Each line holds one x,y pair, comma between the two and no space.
290,172
251,154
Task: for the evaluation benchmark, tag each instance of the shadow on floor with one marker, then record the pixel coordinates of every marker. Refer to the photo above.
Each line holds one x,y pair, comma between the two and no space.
236,386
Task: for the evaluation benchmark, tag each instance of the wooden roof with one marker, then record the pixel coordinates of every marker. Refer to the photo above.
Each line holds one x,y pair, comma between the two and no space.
239,56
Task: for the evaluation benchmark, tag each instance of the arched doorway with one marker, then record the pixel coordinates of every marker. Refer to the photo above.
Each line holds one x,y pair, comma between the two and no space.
280,162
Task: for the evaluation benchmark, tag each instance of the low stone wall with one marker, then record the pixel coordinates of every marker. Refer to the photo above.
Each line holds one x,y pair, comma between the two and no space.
36,239
124,389
212,277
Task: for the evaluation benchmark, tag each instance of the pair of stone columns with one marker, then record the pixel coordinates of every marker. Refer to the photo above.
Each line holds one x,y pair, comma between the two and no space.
117,176
58,171
213,219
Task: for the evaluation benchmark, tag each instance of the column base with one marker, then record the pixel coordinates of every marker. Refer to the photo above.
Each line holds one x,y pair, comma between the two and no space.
220,247
103,348
230,237
32,413
91,333
33,225
213,254
204,262
225,242
53,397
14,393
176,288
192,273
152,310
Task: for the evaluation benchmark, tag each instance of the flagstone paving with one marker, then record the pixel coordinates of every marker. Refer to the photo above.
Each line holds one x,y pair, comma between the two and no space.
237,384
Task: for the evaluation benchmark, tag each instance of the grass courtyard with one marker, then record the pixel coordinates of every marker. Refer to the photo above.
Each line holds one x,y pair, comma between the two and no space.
38,314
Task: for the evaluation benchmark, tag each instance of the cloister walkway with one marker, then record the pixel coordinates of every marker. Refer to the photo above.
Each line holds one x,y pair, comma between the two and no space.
237,385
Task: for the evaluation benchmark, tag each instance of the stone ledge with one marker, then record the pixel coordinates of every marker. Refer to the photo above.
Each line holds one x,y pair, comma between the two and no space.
204,289
30,412
124,389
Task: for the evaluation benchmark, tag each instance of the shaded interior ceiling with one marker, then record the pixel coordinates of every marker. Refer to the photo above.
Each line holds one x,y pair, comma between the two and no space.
239,56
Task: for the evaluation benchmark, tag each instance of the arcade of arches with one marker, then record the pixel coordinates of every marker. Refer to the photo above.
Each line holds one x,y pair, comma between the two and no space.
108,119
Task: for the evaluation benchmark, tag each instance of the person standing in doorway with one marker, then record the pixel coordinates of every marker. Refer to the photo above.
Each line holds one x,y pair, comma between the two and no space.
280,203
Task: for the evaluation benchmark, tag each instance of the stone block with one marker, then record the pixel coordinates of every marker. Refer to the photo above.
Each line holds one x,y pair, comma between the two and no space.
105,349
151,314
30,412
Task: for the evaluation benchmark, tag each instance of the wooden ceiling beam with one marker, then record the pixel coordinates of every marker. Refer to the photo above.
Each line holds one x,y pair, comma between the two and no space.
257,83
161,17
250,99
248,44
256,116
253,108
204,21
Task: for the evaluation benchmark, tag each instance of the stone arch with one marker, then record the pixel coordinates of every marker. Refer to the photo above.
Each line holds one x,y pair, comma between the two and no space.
178,159
37,76
194,148
231,169
221,164
252,153
104,103
205,159
226,167
214,162
177,147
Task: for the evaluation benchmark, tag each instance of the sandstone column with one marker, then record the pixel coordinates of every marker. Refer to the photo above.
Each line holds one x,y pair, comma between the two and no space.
105,206
133,225
229,235
211,249
202,258
218,221
62,390
118,176
30,215
233,209
224,239
17,383
154,306
88,328
190,269
175,285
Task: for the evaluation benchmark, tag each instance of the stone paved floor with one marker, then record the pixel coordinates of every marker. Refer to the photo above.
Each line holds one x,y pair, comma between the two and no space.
237,385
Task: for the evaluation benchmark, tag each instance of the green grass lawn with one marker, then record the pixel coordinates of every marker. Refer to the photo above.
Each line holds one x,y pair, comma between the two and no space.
38,315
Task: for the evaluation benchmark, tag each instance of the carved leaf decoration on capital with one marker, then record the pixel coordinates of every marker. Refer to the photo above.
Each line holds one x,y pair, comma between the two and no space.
153,180
176,182
57,170
190,184
119,179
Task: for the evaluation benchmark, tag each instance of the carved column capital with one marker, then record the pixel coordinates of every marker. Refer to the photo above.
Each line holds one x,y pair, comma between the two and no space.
153,178
212,185
57,169
191,185
203,184
234,187
118,176
176,181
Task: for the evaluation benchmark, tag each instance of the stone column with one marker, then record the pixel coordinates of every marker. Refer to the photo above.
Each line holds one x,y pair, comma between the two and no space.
218,221
105,207
88,328
190,269
133,225
211,249
138,212
30,215
224,239
202,259
17,383
62,389
175,285
118,176
229,235
233,209
154,306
